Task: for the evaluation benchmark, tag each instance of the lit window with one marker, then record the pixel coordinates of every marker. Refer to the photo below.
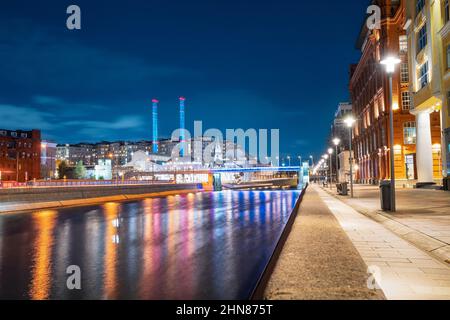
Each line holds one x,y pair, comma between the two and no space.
403,41
422,37
406,100
409,132
423,76
404,72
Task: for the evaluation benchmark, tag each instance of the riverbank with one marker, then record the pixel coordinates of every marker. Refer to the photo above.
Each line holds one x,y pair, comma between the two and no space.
28,199
318,260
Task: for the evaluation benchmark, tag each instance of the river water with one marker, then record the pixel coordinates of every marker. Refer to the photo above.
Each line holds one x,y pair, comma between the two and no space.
192,246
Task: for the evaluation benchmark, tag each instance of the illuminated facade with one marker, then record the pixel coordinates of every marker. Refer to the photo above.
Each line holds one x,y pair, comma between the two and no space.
428,28
182,126
155,125
369,90
48,160
20,155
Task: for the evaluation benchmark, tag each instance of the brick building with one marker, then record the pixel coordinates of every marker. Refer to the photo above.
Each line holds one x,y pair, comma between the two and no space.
20,155
369,89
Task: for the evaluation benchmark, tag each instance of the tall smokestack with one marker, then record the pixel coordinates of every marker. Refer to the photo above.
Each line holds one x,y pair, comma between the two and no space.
155,125
182,126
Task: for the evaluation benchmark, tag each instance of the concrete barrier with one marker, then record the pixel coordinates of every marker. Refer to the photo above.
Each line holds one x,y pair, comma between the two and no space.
72,193
14,200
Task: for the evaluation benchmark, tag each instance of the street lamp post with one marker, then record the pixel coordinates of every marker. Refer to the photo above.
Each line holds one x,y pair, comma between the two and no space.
350,121
312,160
330,152
300,161
325,158
390,63
289,160
336,142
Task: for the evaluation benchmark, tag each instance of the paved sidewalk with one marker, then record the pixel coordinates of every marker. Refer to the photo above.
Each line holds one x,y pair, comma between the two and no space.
402,270
318,260
422,217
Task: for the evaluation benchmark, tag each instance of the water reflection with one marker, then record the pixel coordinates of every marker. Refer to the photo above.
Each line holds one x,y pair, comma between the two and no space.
44,222
194,246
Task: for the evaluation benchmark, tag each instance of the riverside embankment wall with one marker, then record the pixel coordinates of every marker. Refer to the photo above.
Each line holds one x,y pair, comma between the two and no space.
22,199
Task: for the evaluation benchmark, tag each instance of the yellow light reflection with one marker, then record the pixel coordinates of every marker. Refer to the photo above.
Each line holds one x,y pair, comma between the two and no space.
111,236
44,223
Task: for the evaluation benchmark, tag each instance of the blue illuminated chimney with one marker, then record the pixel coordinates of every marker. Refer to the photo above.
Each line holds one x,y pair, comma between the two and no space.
155,125
182,126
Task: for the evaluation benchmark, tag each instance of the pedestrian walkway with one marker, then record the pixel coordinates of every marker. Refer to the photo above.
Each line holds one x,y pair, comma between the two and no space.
422,217
318,260
402,270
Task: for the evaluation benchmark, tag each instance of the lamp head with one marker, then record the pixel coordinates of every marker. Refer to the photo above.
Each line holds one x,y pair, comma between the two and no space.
390,63
330,151
336,141
350,121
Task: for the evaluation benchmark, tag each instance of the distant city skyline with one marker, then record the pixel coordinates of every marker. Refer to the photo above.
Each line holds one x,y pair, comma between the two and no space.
239,65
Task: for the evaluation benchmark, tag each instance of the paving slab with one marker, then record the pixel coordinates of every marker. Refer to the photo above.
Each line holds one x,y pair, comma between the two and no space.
403,272
422,217
318,260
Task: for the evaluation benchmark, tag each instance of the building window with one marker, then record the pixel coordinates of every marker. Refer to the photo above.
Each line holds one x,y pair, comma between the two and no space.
403,41
406,100
448,57
409,132
422,37
447,11
404,72
448,103
420,4
423,76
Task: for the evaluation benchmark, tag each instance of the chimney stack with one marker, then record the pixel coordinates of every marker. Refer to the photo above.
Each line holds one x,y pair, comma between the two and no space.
155,141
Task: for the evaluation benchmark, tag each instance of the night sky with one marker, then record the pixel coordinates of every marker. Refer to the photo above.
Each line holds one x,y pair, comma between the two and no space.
240,64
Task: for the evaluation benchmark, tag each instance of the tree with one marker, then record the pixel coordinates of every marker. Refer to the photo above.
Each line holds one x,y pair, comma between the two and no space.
62,170
80,170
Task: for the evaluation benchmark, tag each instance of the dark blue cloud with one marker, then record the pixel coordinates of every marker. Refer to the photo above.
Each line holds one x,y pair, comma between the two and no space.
250,64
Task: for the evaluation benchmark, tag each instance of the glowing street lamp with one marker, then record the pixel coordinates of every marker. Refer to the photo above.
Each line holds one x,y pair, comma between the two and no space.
390,63
289,159
350,121
330,152
336,142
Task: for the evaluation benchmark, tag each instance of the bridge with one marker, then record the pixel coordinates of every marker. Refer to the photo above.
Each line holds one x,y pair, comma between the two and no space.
211,178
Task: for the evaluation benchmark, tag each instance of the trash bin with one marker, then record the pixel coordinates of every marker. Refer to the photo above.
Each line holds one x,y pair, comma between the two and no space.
446,183
344,188
385,195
